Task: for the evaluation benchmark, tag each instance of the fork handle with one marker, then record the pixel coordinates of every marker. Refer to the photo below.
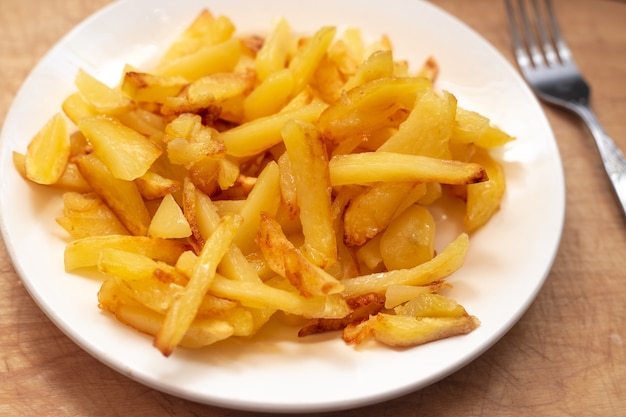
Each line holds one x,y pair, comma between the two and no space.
612,156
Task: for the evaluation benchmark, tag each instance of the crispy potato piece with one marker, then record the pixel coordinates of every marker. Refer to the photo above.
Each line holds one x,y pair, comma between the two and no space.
309,165
277,294
215,89
427,129
168,222
370,212
126,153
270,96
205,30
409,240
371,167
406,331
76,107
370,106
142,86
264,197
376,66
362,308
442,265
48,152
122,196
258,135
284,259
483,200
182,312
400,294
70,180
101,97
153,186
211,59
86,215
133,266
132,313
309,56
273,55
83,253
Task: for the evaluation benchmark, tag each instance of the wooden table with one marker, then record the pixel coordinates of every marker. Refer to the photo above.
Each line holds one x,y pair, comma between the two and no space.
565,357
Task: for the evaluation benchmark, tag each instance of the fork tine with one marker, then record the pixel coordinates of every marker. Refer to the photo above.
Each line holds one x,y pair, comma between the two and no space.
544,30
523,60
535,52
563,51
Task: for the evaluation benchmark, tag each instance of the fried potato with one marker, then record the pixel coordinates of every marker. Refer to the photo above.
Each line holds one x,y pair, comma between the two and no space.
121,196
370,167
439,267
294,174
484,200
83,253
126,153
406,331
48,152
183,311
309,165
86,215
284,259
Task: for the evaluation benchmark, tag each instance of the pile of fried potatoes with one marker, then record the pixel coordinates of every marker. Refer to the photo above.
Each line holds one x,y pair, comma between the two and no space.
247,177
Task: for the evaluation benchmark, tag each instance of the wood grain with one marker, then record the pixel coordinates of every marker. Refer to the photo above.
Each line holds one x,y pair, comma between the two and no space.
565,357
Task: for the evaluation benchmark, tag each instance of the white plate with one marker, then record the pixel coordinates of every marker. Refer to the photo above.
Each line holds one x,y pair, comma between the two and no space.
505,268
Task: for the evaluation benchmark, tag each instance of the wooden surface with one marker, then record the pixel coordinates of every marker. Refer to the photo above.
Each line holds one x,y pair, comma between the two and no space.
565,357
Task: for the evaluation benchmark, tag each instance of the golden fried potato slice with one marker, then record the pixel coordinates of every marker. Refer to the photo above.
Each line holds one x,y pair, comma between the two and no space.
287,261
406,331
409,240
126,153
169,222
184,309
309,165
428,128
134,314
371,167
146,87
101,97
82,253
308,57
205,30
441,266
278,293
122,196
483,200
258,135
48,152
376,104
86,215
211,59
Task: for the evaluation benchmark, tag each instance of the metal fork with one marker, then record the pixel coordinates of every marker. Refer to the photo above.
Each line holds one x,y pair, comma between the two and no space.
547,64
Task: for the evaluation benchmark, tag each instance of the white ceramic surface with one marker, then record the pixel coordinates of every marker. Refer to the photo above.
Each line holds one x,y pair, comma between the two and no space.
506,266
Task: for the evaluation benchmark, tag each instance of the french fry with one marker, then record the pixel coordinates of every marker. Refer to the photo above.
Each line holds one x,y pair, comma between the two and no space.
370,167
260,134
406,331
484,201
86,215
284,259
181,314
126,153
102,98
122,197
48,152
442,265
309,165
83,253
